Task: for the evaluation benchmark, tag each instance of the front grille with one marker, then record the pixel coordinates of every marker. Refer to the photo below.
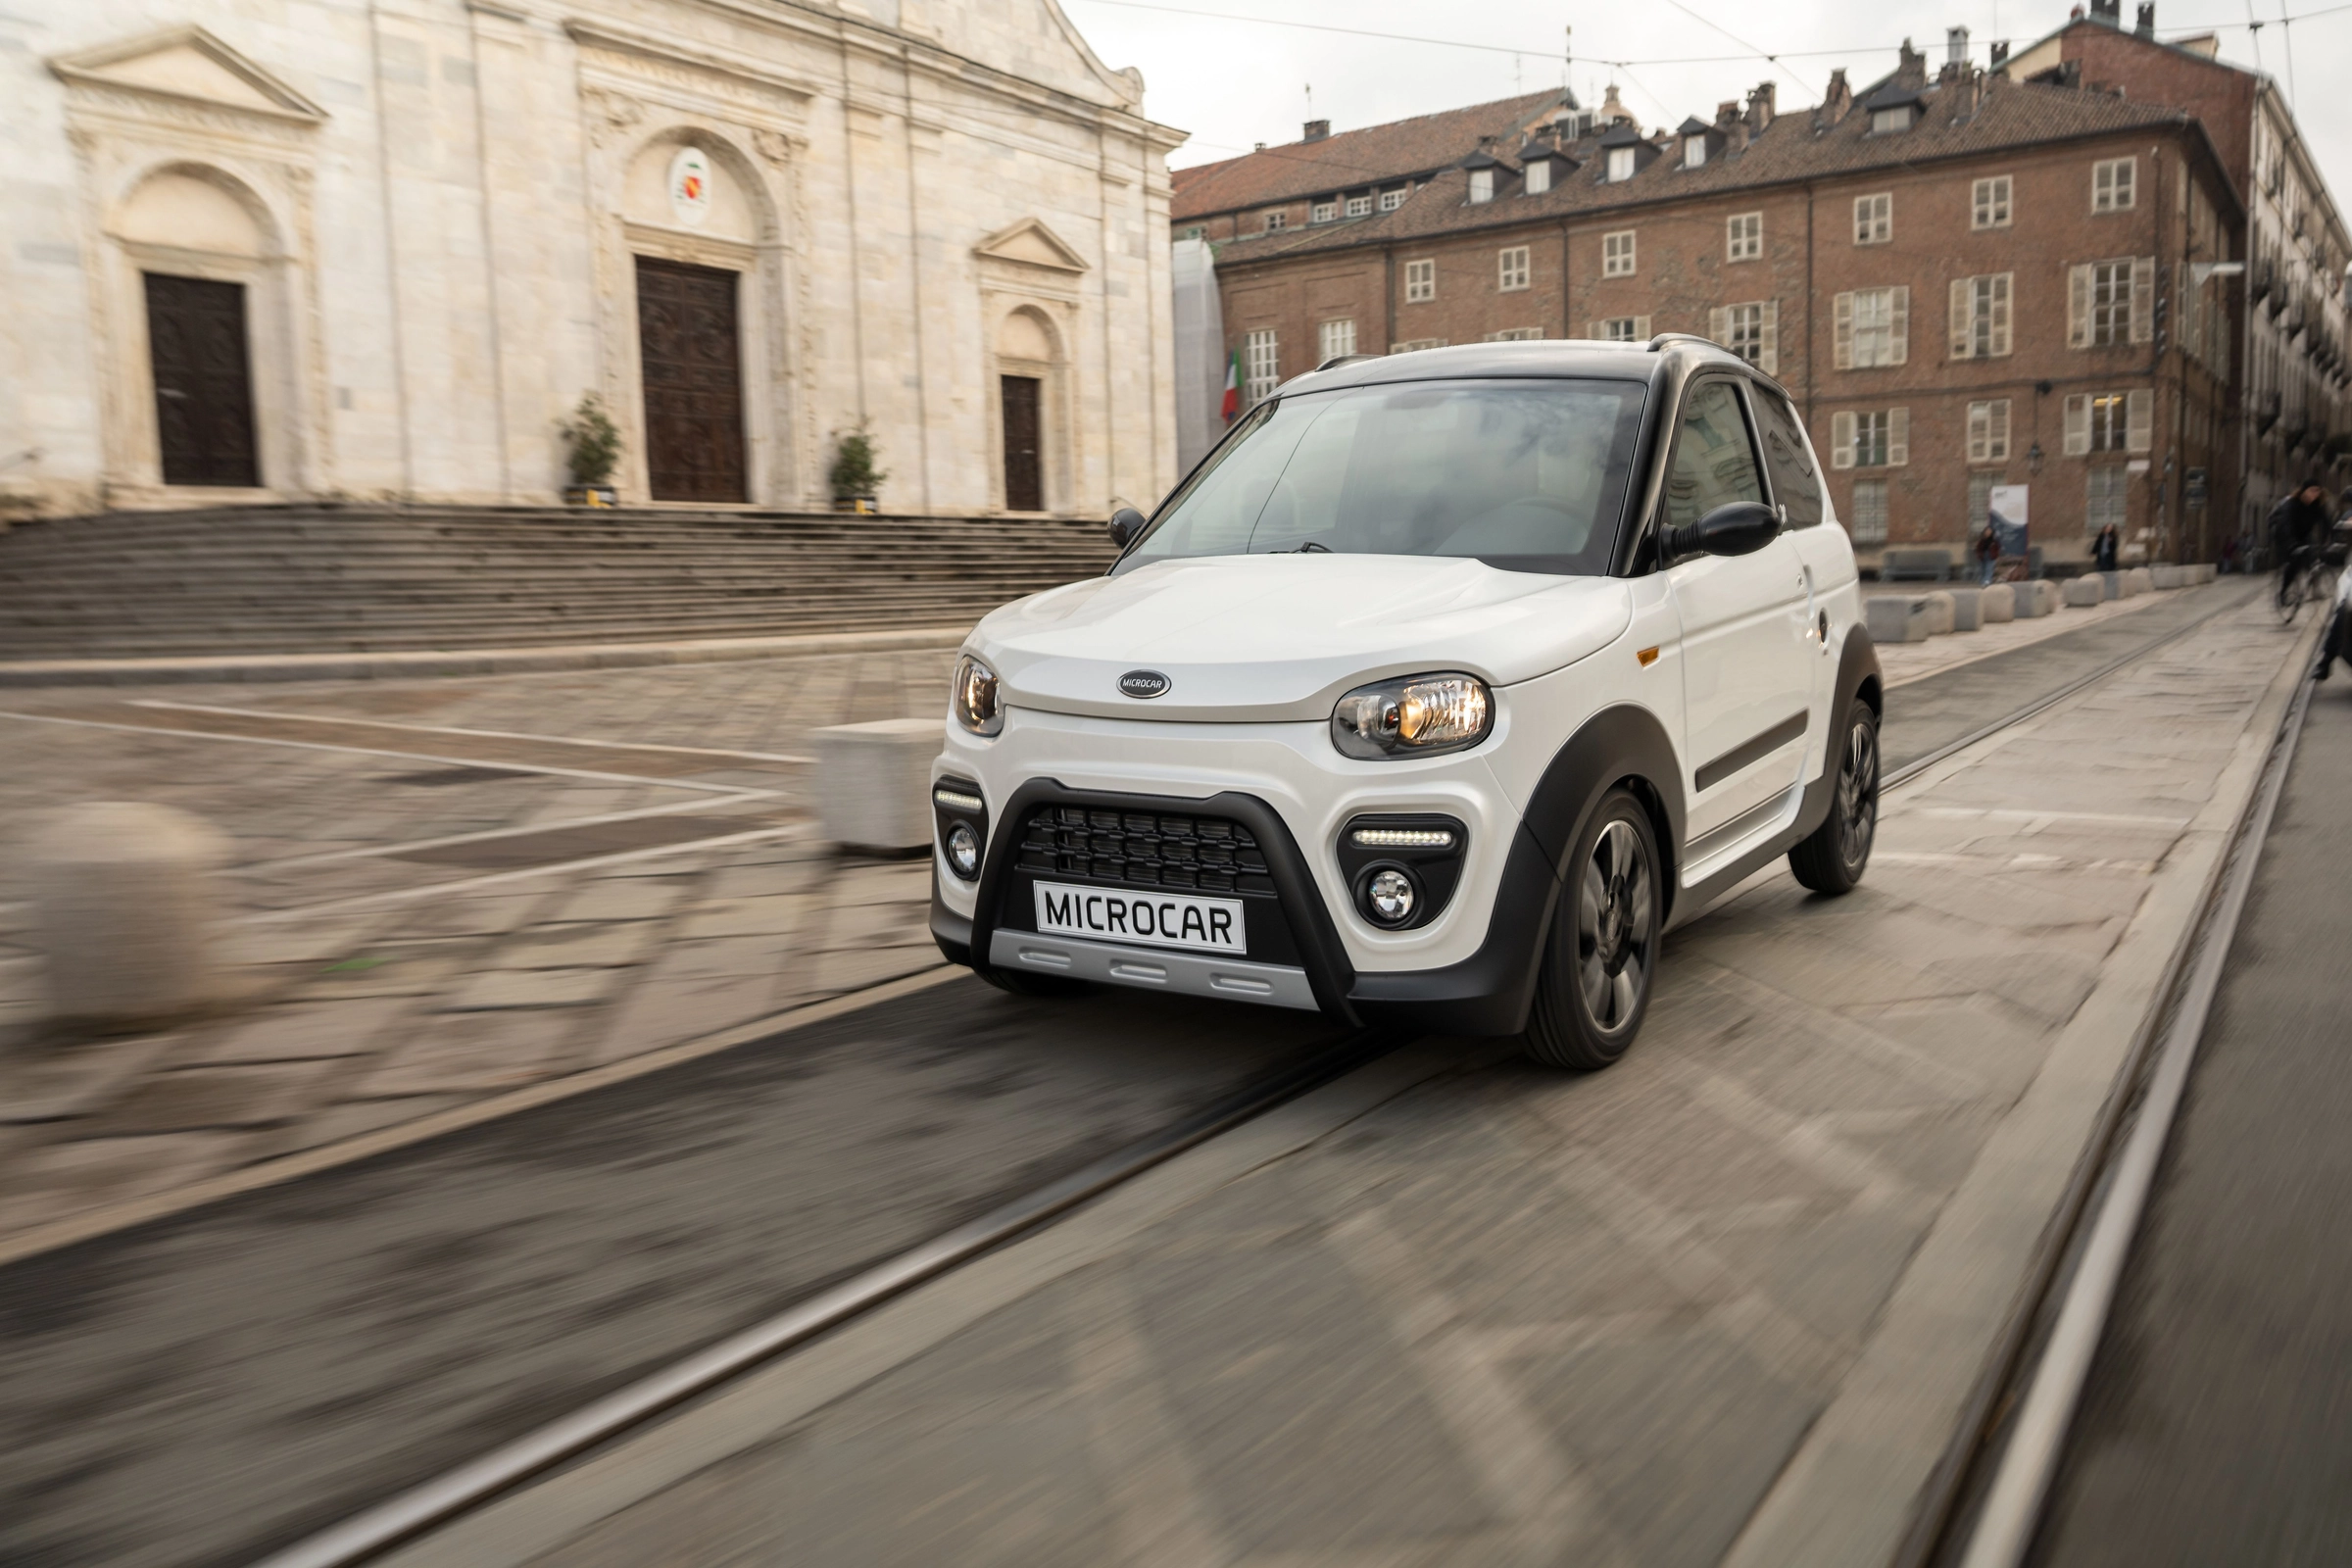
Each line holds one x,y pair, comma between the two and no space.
1152,849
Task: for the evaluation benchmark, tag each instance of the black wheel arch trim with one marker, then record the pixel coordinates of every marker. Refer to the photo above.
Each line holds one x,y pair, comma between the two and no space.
1489,992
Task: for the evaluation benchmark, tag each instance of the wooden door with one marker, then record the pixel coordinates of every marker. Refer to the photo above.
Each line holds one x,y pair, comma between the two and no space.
203,381
687,337
1024,480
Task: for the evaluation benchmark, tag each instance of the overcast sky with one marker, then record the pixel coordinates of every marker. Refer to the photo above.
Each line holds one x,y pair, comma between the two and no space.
1233,82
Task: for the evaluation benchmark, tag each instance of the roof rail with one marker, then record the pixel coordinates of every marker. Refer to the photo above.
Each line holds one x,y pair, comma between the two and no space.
1342,359
1664,338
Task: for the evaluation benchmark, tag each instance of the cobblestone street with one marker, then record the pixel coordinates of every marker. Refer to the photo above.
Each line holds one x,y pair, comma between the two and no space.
451,889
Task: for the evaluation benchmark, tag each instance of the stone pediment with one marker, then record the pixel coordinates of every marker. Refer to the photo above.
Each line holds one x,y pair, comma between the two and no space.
1030,243
190,66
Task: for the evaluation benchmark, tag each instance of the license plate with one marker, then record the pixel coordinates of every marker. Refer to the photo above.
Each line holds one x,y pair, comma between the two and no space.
1161,919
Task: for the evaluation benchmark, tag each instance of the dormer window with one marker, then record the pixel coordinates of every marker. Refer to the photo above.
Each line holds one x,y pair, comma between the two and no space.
1359,206
1620,163
1538,178
1888,122
1324,212
1694,151
1482,184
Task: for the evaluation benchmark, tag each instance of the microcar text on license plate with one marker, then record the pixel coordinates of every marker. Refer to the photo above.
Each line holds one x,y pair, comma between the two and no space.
1162,920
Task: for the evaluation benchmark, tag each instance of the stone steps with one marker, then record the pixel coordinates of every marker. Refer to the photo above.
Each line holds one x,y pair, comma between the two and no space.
298,579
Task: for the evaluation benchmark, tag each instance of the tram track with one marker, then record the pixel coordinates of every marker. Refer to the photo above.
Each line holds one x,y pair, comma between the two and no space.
381,1529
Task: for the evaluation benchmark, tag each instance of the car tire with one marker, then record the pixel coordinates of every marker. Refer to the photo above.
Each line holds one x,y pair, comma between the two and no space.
1832,857
1023,984
1601,953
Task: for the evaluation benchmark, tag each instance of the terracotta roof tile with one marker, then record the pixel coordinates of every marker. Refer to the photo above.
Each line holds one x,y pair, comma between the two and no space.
1353,159
2009,114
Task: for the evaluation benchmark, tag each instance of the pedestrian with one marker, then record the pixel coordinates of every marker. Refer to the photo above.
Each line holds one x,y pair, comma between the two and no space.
1989,555
2103,551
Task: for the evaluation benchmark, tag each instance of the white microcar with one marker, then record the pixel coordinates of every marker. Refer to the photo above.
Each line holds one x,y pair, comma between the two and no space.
1431,698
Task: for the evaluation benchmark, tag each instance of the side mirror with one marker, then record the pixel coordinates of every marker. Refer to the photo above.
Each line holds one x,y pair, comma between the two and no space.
1741,528
1125,524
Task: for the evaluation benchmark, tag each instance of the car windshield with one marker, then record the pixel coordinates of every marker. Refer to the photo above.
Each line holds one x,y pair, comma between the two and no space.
1527,475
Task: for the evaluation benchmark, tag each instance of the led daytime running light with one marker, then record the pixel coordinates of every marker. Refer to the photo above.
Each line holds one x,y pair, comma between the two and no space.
956,800
1404,838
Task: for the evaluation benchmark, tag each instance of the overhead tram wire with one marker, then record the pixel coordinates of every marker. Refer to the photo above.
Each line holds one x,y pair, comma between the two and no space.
1777,58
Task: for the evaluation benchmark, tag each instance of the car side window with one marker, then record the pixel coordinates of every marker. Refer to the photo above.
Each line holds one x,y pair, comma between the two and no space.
1714,460
1795,482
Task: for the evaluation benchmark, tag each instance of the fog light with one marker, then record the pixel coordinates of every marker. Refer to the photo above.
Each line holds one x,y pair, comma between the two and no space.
963,851
1390,896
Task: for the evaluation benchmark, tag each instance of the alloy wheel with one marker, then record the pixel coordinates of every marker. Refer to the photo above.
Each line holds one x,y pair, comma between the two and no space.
1613,930
1858,796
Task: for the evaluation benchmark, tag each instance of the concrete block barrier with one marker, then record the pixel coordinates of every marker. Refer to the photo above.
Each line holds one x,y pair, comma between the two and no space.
129,901
2164,578
1967,607
874,783
1997,605
1915,566
2115,588
2085,591
2139,581
1940,612
2200,573
1897,618
2043,595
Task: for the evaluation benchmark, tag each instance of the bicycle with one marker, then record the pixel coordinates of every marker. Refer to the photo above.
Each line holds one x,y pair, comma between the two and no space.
2295,584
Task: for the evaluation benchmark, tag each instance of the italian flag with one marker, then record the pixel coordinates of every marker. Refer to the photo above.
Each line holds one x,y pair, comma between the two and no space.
1233,386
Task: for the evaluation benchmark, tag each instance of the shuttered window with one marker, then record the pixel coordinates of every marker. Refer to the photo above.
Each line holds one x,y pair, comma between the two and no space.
2110,422
1873,327
1744,237
1874,220
1420,281
1989,202
2108,489
1621,329
1336,339
2111,185
1875,438
1751,330
1988,431
1617,254
2111,302
1980,315
1511,268
1262,365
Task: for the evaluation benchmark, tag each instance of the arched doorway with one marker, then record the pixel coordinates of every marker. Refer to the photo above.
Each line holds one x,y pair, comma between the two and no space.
201,257
1025,394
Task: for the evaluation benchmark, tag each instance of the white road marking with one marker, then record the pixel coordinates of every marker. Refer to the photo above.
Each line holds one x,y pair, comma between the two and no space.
373,751
369,901
559,825
483,734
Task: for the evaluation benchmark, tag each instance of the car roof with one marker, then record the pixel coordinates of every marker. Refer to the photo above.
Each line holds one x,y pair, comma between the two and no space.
1582,359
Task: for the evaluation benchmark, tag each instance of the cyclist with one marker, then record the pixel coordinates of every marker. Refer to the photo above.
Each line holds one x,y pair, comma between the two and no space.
2298,525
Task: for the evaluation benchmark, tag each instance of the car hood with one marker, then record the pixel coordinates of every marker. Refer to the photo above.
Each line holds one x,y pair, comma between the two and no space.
1276,637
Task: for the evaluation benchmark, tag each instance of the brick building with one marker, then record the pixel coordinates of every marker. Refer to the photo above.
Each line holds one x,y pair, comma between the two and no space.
1964,278
2292,411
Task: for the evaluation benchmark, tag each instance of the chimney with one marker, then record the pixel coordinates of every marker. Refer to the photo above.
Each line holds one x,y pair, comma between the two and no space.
1317,130
2111,12
1612,108
2147,28
1911,67
1955,46
1727,111
1838,100
2000,53
1760,108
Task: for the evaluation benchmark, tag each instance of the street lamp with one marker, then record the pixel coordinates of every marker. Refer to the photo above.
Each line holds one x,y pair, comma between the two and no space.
2034,459
2199,272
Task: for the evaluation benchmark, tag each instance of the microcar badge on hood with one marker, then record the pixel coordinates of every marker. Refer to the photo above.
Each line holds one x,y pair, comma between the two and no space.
1144,684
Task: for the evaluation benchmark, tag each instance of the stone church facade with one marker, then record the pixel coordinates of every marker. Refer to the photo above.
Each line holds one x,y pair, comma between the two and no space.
285,250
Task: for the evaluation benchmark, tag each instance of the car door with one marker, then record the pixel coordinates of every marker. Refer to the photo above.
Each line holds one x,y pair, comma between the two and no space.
1822,554
1747,684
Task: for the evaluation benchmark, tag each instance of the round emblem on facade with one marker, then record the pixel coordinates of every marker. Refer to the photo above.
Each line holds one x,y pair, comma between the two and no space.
1144,683
690,186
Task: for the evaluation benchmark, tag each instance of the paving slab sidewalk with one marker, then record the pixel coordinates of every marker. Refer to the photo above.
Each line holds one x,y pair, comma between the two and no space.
1723,1302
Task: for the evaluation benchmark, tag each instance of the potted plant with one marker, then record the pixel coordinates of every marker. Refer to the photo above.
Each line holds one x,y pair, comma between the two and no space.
853,476
591,448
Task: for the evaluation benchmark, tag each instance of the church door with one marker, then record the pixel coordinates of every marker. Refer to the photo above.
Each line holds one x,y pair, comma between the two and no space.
203,382
1024,485
686,332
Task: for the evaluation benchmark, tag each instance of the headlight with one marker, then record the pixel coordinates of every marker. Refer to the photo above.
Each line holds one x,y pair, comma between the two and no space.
973,696
1414,716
